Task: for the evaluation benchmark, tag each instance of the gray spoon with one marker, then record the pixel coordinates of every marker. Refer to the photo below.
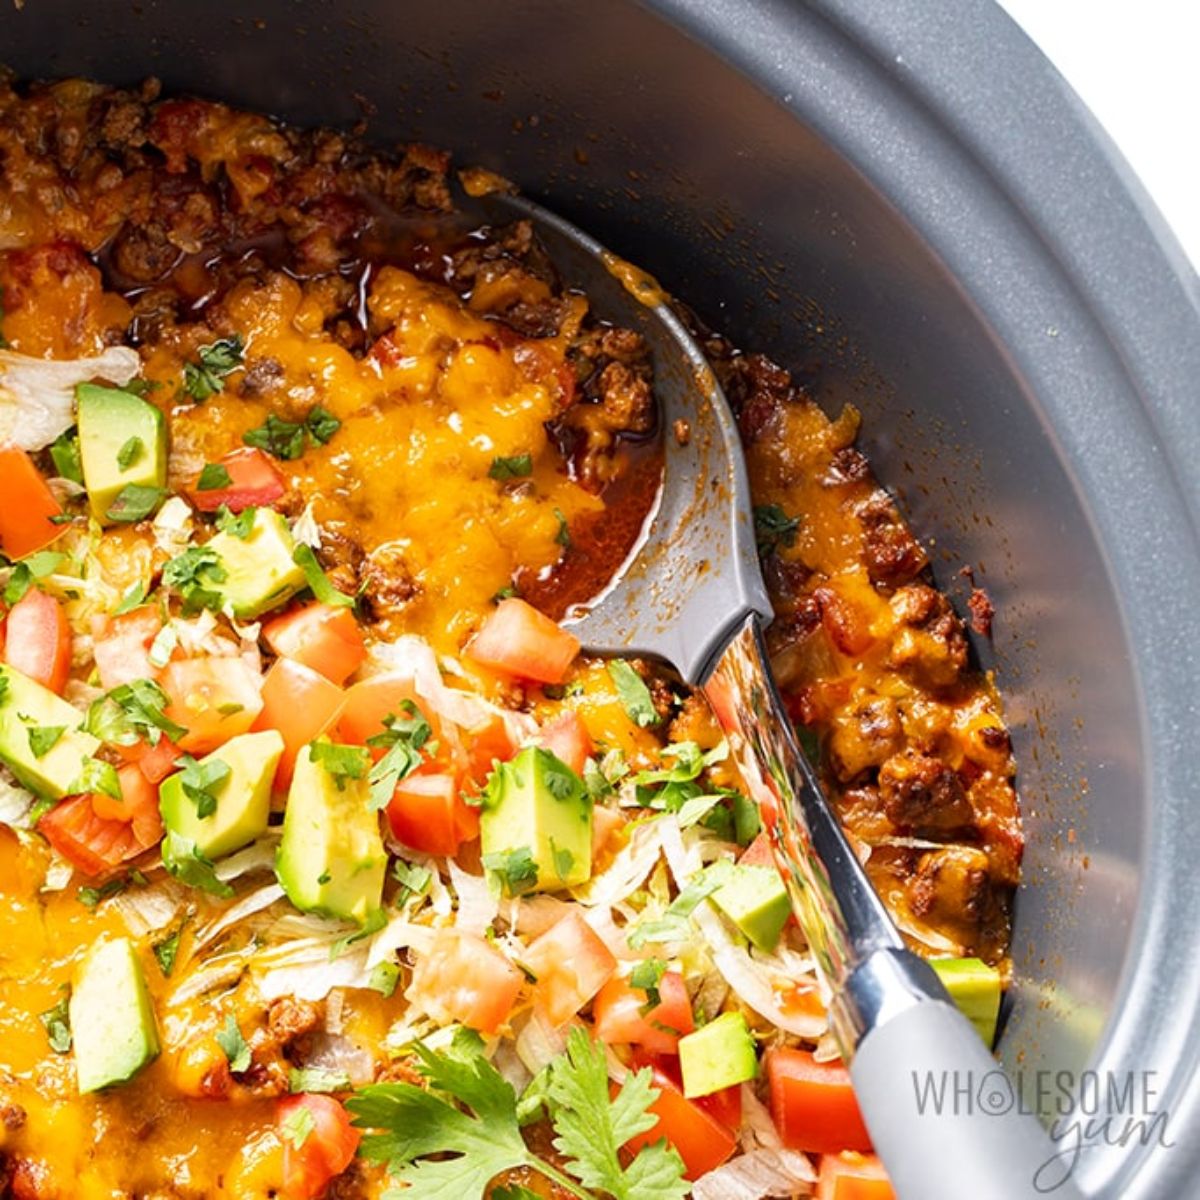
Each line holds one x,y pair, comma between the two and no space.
693,595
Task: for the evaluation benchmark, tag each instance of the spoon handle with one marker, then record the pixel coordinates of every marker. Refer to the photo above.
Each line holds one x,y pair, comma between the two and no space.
894,1023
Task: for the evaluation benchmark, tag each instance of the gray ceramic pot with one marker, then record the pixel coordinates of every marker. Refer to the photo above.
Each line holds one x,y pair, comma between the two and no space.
902,197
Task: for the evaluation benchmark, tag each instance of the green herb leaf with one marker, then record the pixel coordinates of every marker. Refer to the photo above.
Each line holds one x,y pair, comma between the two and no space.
298,1125
563,536
203,782
183,860
472,1144
321,424
516,466
515,869
194,574
373,924
317,1079
89,897
773,528
633,693
133,598
64,453
97,776
647,975
166,950
134,502
413,879
214,477
341,762
130,452
277,437
132,712
43,738
28,571
673,925
230,1039
592,1128
405,736
206,376
238,525
318,581
57,1023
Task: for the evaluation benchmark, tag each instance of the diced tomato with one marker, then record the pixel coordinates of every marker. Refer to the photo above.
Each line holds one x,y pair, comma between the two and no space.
571,964
326,1151
155,762
813,1104
97,833
759,853
486,744
253,480
213,698
26,506
38,639
702,1141
301,705
370,701
465,978
617,1011
567,737
122,646
851,1176
426,813
321,636
724,1106
519,640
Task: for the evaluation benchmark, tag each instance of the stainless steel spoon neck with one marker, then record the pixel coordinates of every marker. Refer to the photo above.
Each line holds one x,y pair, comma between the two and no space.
868,973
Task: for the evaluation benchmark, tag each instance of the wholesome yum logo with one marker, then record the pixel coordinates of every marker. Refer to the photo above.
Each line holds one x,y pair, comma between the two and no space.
1089,1110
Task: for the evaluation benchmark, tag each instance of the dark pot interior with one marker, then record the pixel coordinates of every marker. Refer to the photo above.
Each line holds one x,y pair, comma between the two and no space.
904,201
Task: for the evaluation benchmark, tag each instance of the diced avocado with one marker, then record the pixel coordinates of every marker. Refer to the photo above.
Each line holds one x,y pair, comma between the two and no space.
975,988
112,1018
717,1056
259,571
122,441
25,705
756,901
535,805
243,798
331,859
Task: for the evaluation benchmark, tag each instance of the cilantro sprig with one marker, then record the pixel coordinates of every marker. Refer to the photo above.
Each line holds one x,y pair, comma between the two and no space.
287,440
405,737
206,376
633,693
456,1137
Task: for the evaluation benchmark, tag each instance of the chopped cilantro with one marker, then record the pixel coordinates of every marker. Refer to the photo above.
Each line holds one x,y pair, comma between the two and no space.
773,528
238,525
28,571
633,693
515,466
563,536
230,1039
647,975
97,776
321,424
192,574
318,581
130,712
202,782
57,1023
134,502
214,477
404,736
515,869
206,376
182,858
373,924
89,897
413,879
298,1125
64,453
341,762
166,950
130,452
279,438
43,738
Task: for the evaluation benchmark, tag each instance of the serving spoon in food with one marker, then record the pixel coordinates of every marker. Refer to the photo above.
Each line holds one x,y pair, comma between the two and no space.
693,595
